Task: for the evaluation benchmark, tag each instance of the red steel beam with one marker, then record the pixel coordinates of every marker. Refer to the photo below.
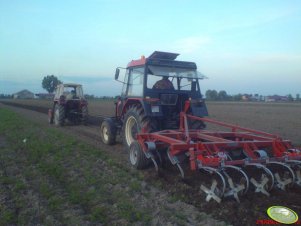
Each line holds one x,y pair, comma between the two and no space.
233,127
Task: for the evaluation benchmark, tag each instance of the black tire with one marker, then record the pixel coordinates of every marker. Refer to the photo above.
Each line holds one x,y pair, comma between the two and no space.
108,131
137,157
196,124
85,115
134,120
50,116
59,115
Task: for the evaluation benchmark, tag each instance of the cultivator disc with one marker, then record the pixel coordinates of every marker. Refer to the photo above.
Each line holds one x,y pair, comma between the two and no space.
260,186
261,178
296,167
283,173
211,193
216,187
237,181
229,181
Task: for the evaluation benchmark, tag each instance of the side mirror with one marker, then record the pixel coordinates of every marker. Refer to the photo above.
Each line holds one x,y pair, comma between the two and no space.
117,73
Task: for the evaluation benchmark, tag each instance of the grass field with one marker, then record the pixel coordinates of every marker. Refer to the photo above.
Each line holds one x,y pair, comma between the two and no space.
50,178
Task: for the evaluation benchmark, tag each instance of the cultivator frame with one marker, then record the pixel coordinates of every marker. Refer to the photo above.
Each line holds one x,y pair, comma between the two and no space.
229,156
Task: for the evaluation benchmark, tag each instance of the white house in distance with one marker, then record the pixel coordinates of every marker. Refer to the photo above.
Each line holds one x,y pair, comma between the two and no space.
276,98
23,94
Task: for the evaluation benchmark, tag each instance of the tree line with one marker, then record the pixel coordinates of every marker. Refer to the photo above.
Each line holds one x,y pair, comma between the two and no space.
222,95
5,96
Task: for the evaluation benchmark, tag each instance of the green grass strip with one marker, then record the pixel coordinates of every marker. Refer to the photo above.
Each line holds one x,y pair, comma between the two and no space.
66,173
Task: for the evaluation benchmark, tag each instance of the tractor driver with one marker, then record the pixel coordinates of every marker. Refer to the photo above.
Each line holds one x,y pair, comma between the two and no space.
164,83
71,95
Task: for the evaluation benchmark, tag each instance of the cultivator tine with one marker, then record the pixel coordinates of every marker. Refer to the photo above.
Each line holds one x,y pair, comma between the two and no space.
152,153
159,157
175,161
155,164
211,192
181,170
260,186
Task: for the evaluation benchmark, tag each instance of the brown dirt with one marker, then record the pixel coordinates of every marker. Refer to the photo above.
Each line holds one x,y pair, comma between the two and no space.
275,118
282,119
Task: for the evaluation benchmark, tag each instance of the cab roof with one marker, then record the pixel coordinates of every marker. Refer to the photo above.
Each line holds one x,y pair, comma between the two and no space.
154,55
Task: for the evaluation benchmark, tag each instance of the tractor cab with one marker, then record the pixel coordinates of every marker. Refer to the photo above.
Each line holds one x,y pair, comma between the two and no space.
69,91
161,85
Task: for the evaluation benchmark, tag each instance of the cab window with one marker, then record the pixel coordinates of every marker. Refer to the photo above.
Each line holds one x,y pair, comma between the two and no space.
135,82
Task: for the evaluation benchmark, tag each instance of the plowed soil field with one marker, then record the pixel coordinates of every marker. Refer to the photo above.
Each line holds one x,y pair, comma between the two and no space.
277,118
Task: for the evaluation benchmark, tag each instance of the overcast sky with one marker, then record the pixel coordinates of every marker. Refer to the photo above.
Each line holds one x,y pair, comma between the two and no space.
242,46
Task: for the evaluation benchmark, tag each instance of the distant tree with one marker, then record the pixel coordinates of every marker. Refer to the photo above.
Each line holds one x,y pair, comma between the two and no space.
237,97
298,97
207,94
290,97
50,82
222,95
5,96
211,94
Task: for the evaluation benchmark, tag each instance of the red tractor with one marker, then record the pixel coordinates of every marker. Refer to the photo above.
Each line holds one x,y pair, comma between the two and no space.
153,95
69,104
160,116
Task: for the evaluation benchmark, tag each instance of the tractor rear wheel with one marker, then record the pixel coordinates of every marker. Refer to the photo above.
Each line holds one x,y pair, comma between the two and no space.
50,115
108,131
59,115
134,120
137,157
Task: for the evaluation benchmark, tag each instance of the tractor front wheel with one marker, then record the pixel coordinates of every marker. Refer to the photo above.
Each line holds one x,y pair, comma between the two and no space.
50,116
108,131
59,115
85,115
137,157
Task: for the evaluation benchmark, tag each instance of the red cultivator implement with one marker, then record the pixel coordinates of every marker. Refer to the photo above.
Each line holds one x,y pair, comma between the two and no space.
238,159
